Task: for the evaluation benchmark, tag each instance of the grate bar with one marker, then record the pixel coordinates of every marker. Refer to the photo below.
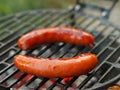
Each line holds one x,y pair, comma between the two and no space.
15,31
32,79
6,18
44,80
11,20
4,79
10,86
107,58
7,44
69,83
55,18
99,43
107,46
54,84
96,69
26,18
85,81
45,54
105,74
3,48
7,23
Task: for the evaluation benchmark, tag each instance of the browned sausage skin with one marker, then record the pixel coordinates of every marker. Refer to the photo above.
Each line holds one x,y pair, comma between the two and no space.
57,67
35,38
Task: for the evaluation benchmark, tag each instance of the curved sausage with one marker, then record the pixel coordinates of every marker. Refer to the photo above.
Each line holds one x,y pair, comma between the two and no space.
51,35
57,67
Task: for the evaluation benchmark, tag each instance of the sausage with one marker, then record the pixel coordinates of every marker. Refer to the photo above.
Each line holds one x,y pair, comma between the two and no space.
35,38
114,87
56,67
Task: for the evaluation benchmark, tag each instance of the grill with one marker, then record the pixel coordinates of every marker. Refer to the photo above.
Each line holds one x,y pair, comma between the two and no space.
107,49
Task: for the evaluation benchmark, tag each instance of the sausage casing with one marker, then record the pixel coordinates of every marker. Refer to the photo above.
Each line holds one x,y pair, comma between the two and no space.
56,67
35,38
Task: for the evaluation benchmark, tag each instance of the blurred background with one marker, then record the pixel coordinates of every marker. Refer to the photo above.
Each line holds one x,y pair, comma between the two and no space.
13,6
8,7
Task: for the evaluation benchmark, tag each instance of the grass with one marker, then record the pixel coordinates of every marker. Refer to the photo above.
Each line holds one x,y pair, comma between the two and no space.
13,6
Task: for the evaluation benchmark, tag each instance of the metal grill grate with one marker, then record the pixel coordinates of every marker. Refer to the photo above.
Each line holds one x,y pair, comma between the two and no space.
107,48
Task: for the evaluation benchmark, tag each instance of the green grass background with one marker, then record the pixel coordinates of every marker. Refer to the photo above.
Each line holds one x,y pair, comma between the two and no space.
13,6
